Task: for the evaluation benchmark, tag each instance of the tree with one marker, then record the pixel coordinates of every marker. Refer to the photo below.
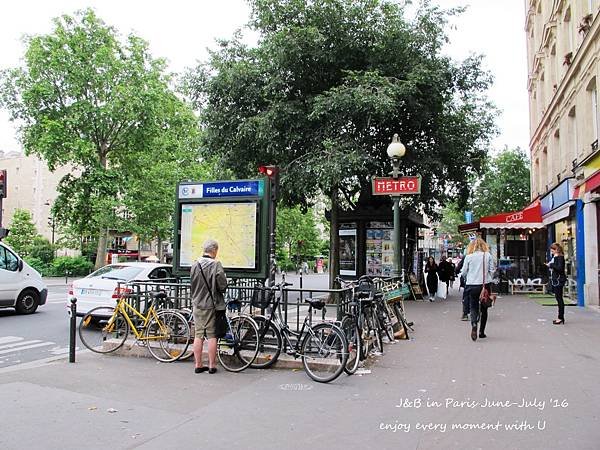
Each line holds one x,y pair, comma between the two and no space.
85,97
327,86
504,185
297,235
22,232
452,217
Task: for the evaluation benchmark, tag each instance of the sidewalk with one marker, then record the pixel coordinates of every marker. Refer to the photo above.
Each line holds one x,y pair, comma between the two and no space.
531,373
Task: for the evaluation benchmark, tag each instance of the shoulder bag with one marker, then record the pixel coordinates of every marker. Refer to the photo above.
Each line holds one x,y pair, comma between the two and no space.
486,298
221,325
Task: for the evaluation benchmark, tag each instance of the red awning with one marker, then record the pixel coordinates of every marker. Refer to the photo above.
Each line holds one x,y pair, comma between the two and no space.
530,217
590,184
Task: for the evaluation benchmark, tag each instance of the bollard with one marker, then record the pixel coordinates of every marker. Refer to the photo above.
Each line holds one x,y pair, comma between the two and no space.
66,277
72,330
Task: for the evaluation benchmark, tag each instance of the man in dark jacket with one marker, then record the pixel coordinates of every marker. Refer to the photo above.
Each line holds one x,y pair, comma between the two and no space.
208,283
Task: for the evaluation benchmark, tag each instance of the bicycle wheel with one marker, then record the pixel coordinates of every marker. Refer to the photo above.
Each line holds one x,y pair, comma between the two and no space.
238,349
377,336
352,332
103,331
187,314
385,320
324,352
167,336
270,343
365,335
402,318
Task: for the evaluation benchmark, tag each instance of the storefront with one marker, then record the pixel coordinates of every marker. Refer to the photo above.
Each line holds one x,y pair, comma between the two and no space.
517,240
587,191
562,215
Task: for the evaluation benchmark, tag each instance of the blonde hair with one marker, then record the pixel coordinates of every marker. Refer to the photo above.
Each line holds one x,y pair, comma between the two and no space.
558,248
478,245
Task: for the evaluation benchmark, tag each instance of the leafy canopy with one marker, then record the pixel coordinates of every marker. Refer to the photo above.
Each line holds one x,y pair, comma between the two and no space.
101,104
22,232
505,184
326,87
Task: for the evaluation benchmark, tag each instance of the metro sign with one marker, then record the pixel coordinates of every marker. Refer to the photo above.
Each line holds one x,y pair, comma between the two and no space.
396,186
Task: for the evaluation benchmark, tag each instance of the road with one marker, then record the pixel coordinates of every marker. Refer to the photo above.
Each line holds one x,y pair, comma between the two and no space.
45,334
38,336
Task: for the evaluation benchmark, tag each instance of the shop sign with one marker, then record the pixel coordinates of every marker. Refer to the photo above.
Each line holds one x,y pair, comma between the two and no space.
396,186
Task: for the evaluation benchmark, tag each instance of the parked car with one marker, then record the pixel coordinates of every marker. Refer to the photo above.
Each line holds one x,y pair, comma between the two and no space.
102,287
21,286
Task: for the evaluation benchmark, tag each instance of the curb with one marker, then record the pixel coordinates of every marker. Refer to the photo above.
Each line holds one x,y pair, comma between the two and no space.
131,349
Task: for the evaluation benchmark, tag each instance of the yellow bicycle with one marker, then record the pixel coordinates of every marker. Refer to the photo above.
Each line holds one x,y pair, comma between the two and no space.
166,333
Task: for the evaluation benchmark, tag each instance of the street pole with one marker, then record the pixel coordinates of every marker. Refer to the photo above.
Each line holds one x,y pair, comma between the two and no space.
397,237
396,151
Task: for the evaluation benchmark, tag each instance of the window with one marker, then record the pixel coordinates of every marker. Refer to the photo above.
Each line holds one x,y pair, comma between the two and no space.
8,260
160,273
594,93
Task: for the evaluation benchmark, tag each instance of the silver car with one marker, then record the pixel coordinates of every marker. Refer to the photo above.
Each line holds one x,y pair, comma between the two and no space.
102,287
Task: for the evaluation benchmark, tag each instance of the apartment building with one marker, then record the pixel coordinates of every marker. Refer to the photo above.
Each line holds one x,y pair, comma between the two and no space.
32,187
563,48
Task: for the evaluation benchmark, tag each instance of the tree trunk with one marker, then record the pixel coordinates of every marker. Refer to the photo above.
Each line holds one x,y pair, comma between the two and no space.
103,234
334,241
101,251
139,239
159,250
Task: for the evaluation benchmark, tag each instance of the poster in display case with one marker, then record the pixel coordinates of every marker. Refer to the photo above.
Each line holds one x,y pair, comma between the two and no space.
380,250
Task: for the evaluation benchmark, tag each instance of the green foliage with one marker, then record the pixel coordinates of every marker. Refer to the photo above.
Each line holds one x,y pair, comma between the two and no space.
39,265
90,99
297,236
22,232
75,265
327,86
42,249
452,217
505,185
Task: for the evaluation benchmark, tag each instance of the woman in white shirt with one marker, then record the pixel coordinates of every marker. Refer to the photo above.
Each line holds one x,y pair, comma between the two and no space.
478,257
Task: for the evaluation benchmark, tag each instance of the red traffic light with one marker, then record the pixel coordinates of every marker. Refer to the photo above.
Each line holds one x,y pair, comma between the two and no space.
269,171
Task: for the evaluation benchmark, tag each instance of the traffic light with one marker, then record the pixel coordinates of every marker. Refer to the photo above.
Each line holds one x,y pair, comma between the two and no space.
3,183
272,172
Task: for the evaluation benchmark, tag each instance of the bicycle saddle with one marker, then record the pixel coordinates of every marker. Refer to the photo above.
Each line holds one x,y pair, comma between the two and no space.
315,303
158,295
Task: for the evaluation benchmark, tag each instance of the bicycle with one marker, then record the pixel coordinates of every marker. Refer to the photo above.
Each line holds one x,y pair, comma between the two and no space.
322,347
396,302
237,350
165,333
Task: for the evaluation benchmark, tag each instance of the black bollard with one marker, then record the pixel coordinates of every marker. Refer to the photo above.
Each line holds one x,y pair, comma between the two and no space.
72,330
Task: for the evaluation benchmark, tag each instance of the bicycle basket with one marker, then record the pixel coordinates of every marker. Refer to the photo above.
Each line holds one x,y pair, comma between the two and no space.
261,297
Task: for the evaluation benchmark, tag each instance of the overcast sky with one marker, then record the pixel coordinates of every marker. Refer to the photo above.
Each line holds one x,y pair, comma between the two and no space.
181,30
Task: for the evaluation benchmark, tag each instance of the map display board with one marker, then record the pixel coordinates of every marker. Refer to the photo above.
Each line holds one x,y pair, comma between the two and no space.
232,225
235,213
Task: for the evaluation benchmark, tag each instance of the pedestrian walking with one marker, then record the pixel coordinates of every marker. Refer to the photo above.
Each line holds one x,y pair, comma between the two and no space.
462,284
558,278
208,283
431,269
445,271
478,266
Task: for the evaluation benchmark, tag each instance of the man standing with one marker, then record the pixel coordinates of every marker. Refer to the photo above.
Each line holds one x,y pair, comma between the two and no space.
208,284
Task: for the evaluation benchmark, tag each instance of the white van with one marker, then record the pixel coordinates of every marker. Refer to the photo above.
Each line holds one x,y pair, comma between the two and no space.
21,286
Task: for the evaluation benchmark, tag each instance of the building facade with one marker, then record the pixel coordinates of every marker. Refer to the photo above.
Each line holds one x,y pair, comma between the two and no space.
32,187
563,47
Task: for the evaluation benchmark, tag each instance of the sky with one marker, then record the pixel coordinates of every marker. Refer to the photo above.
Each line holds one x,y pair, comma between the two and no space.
182,30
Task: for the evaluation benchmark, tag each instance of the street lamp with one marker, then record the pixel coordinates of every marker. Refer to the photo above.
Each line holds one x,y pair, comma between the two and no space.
395,151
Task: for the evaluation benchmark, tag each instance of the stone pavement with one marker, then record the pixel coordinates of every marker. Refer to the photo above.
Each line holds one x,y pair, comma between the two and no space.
529,385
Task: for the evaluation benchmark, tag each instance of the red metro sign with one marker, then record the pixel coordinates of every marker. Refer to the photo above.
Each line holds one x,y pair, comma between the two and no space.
396,186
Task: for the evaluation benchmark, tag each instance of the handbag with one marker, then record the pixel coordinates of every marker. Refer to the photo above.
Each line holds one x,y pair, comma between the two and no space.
486,297
221,325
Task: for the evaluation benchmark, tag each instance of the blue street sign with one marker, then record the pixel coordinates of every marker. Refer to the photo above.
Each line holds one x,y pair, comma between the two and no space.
252,188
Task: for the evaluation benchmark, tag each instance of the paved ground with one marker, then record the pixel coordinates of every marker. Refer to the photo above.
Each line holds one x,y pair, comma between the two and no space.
542,380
